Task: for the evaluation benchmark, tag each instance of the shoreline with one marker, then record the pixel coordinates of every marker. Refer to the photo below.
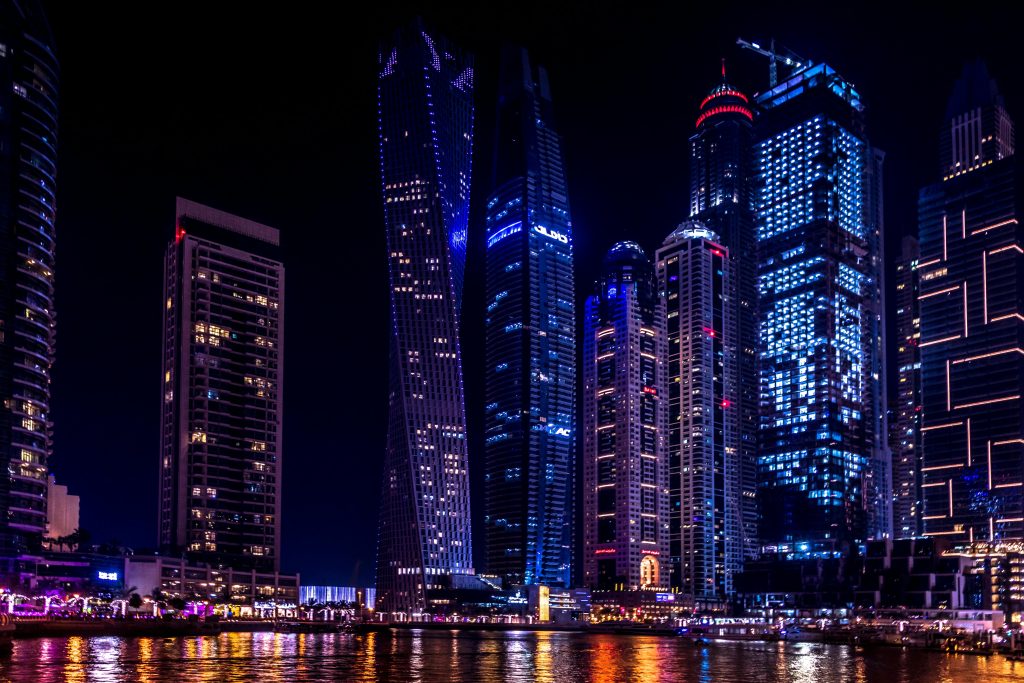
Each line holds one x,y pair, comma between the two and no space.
59,628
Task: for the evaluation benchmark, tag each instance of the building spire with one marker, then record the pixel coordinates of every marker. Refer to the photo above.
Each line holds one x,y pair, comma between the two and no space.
723,69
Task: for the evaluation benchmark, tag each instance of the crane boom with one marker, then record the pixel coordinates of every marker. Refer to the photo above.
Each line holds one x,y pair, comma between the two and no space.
774,56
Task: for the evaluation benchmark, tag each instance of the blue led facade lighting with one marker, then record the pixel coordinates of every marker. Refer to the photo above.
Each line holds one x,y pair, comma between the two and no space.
823,464
530,340
425,95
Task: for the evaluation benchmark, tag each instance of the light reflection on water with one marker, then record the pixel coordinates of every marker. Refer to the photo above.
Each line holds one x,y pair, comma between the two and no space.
453,657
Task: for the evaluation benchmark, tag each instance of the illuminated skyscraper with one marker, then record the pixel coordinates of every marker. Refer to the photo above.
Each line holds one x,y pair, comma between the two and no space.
823,467
697,279
28,169
972,324
425,101
531,340
906,442
625,468
220,439
721,198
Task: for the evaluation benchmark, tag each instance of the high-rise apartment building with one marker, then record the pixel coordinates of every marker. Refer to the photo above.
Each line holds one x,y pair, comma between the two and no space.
906,439
425,104
221,384
697,279
531,340
721,198
823,467
28,186
972,325
625,469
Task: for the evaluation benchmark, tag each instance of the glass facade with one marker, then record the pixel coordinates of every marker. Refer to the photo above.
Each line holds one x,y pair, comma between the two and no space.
28,169
698,283
822,474
220,445
625,464
721,198
906,441
425,96
972,336
531,340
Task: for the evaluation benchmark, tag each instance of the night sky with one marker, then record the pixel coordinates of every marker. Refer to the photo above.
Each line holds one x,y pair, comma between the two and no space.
272,116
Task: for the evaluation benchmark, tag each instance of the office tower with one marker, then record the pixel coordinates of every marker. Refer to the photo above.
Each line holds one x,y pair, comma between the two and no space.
531,340
28,158
972,326
721,199
697,279
223,370
625,468
425,104
819,256
906,442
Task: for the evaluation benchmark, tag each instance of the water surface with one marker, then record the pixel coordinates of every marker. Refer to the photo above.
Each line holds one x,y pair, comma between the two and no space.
453,657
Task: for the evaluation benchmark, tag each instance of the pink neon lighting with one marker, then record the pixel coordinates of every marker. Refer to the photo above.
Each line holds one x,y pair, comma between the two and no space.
723,93
725,109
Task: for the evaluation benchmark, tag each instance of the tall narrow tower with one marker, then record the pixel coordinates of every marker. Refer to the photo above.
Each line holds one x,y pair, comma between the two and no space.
697,279
625,469
425,103
223,371
906,438
28,186
972,324
531,339
721,199
822,466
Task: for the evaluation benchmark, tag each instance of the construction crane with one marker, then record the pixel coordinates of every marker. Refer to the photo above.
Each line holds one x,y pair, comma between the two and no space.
783,55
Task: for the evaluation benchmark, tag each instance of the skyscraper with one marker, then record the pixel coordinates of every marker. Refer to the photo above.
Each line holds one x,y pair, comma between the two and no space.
906,442
28,172
531,340
697,279
818,242
625,469
721,199
972,327
425,103
223,370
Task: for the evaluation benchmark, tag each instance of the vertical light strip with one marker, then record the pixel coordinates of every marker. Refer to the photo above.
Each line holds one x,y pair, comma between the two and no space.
990,465
949,397
944,248
991,530
984,283
949,483
968,442
965,308
963,223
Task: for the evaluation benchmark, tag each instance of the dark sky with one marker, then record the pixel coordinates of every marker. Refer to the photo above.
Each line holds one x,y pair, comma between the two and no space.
272,115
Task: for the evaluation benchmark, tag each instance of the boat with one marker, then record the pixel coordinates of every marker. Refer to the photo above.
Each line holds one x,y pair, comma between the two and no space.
306,627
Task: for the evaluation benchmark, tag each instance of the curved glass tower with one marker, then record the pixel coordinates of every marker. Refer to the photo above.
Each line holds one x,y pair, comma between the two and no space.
425,96
531,340
28,170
